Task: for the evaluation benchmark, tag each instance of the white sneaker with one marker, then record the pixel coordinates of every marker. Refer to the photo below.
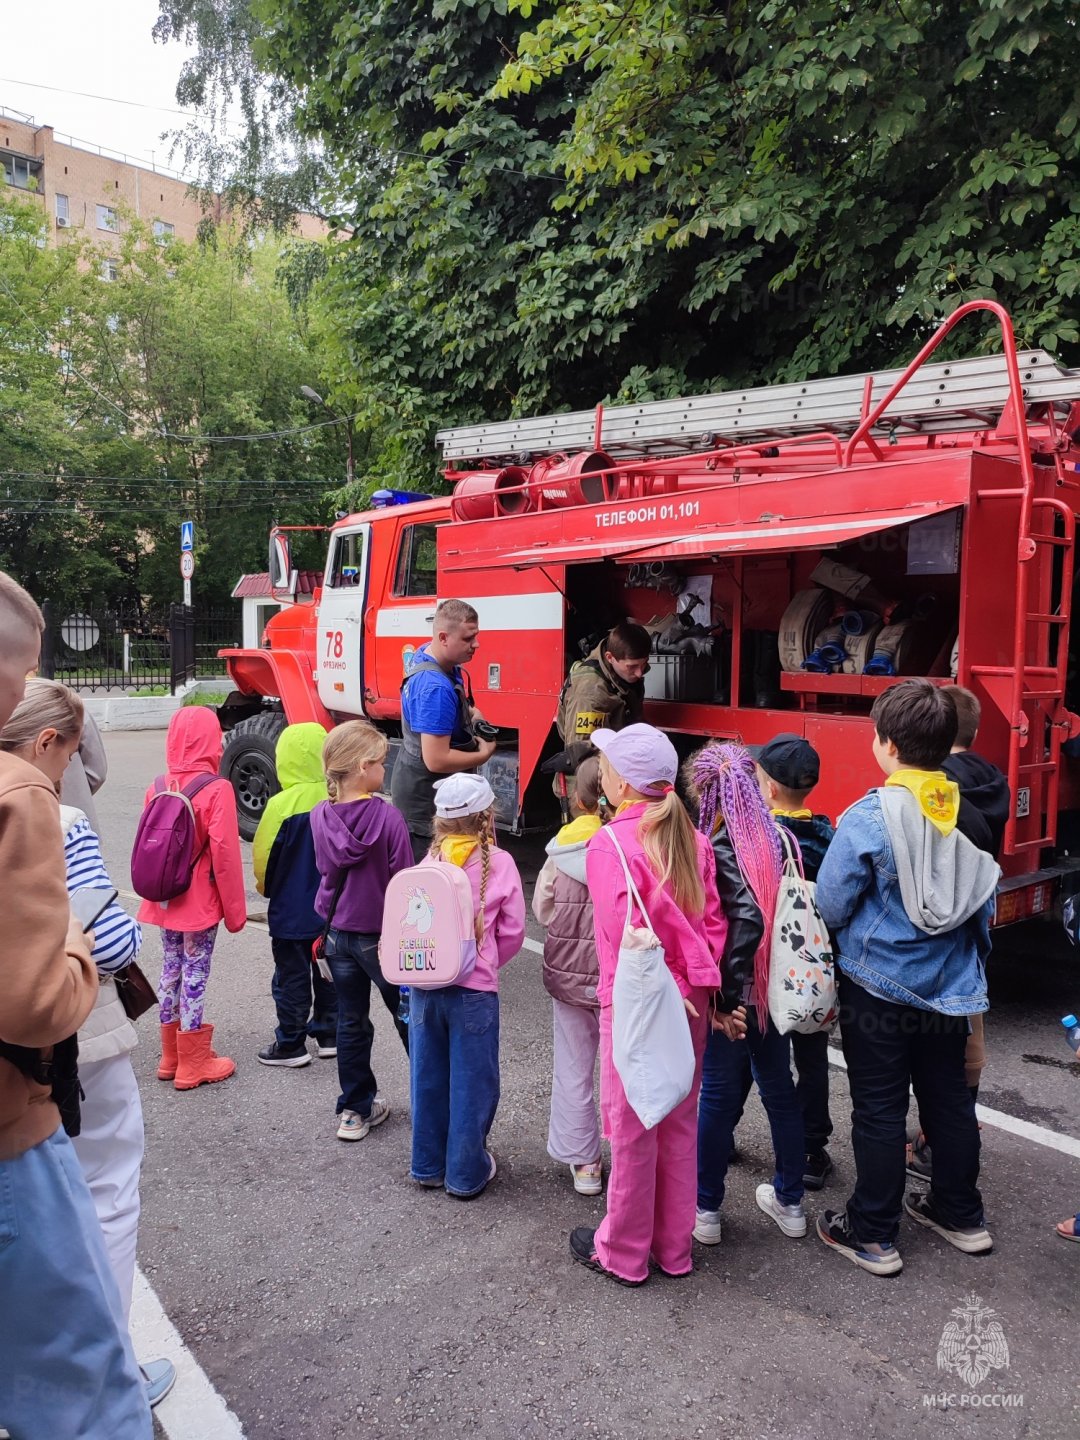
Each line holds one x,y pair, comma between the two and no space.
588,1179
707,1227
352,1126
790,1218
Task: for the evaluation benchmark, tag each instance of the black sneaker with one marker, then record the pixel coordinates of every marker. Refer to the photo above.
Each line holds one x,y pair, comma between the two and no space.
276,1054
974,1240
817,1169
918,1161
583,1250
833,1228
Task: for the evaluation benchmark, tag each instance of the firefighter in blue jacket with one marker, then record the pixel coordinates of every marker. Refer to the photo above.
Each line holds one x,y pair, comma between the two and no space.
285,872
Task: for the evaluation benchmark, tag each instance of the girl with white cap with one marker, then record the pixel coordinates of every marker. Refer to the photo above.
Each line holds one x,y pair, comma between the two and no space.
454,1042
653,1183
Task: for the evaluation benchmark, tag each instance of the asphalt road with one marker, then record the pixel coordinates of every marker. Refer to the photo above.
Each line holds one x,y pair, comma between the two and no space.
325,1295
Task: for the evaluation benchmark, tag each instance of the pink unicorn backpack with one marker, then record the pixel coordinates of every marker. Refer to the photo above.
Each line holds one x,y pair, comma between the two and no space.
428,935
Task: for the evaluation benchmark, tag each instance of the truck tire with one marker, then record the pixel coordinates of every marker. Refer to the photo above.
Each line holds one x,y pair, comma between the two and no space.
247,762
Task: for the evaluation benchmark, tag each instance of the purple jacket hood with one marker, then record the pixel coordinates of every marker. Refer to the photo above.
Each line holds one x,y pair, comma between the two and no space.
345,833
368,841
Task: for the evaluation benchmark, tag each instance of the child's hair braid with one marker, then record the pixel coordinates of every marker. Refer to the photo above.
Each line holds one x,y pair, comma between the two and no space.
483,827
723,780
485,871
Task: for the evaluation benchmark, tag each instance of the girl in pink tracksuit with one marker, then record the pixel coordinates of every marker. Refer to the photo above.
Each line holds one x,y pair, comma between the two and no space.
652,1189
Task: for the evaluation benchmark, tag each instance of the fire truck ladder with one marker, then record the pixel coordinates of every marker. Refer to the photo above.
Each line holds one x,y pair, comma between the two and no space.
1028,688
954,395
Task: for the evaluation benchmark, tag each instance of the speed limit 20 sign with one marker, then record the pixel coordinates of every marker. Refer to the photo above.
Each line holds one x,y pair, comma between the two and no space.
187,565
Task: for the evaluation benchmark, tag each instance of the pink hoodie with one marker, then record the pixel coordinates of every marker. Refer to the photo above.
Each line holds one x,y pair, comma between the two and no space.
504,917
691,946
217,891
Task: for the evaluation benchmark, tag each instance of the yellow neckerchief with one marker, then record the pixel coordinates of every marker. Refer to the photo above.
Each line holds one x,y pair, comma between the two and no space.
581,829
351,799
458,848
794,814
626,804
938,796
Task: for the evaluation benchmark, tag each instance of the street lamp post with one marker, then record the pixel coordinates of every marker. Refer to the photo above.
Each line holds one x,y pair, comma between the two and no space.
346,420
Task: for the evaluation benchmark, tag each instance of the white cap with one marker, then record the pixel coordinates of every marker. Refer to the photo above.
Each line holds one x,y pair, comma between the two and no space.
460,795
641,754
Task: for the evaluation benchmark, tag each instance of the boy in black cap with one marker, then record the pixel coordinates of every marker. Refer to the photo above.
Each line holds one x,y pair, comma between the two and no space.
788,768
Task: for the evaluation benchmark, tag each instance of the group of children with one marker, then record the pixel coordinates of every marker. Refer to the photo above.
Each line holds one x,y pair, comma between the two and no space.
907,896
906,886
325,851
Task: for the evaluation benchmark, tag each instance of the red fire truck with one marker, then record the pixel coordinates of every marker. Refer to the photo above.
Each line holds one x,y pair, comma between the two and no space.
793,549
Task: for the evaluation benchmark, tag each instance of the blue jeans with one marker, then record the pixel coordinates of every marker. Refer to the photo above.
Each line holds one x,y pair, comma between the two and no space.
67,1366
730,1068
354,964
296,982
454,1067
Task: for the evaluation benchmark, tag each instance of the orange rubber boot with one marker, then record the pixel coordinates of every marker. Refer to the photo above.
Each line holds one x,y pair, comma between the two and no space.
197,1063
167,1069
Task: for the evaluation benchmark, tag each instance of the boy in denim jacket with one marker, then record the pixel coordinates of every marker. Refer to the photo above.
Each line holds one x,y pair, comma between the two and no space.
908,900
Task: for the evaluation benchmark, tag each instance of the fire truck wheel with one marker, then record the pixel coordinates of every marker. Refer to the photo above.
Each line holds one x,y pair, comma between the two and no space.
247,762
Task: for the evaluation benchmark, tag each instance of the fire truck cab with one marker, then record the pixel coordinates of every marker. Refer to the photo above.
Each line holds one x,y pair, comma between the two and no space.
792,549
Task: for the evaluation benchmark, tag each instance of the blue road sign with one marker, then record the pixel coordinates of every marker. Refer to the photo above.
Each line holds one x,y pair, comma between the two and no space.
187,535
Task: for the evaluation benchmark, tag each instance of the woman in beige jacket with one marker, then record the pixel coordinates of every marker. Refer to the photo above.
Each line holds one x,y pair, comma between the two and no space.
110,1142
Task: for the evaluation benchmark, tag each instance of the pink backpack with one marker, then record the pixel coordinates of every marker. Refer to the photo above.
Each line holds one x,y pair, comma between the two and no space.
428,939
163,856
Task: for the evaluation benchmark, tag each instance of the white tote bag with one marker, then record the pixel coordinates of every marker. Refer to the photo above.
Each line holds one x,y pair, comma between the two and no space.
802,970
651,1045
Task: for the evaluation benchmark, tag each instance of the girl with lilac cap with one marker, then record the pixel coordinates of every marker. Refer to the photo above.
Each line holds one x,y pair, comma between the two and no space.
652,1187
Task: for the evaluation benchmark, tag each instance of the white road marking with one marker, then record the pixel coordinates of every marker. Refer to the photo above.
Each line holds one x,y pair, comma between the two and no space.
1065,1144
1037,1134
193,1409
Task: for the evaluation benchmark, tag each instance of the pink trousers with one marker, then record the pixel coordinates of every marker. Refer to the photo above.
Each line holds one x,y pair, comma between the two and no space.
652,1191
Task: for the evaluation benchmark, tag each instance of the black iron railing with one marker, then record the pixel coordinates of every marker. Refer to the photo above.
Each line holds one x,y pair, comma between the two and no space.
92,649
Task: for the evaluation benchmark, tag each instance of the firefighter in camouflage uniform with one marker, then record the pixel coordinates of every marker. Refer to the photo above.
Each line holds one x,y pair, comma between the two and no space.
606,690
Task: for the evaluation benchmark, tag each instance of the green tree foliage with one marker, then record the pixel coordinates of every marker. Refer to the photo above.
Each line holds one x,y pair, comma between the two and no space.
555,203
113,396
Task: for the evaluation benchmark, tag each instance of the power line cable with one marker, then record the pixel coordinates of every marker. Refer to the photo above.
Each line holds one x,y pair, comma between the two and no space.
395,153
106,99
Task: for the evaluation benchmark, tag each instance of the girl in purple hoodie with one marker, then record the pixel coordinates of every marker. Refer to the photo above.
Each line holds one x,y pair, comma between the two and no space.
360,841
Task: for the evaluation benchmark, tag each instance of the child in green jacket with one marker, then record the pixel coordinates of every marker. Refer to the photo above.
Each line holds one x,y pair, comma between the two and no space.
286,873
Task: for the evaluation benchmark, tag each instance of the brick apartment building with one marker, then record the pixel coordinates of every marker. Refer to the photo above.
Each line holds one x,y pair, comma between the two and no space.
85,189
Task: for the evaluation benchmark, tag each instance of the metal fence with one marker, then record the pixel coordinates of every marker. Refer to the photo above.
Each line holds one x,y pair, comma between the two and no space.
94,649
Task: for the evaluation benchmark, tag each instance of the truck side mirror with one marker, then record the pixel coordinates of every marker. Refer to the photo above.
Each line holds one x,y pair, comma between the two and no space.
282,574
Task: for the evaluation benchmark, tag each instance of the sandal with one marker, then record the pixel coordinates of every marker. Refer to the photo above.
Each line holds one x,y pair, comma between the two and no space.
1069,1229
588,1179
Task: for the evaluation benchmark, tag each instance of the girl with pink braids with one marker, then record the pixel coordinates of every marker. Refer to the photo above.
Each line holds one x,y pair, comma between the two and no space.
744,1046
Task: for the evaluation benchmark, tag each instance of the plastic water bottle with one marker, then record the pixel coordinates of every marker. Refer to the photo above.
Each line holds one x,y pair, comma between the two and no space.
403,1007
1071,1026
